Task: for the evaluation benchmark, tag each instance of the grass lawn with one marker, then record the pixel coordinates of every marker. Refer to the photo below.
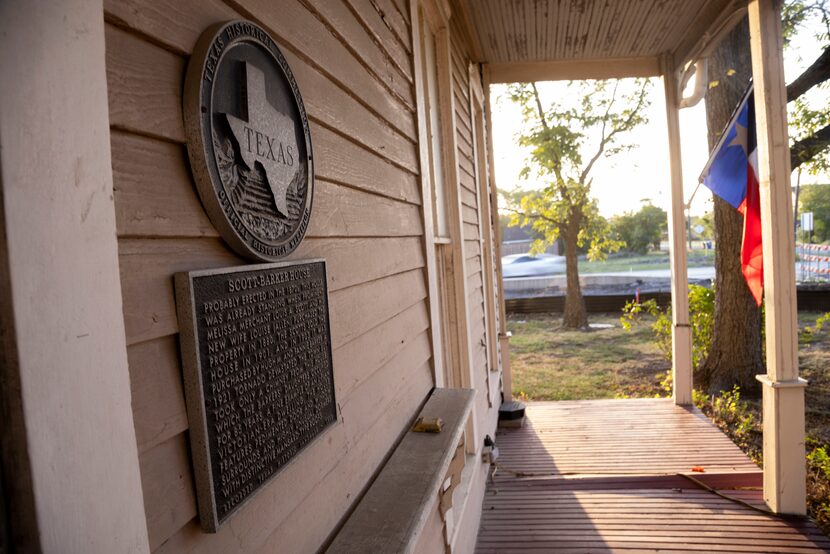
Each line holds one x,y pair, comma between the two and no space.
814,365
653,260
549,363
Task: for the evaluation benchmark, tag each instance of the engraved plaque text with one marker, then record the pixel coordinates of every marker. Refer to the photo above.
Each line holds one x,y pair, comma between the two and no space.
258,374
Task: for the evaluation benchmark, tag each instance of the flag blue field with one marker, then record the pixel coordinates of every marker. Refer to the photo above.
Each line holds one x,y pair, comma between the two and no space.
732,174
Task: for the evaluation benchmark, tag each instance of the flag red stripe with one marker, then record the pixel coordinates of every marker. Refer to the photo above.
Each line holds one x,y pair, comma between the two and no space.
752,263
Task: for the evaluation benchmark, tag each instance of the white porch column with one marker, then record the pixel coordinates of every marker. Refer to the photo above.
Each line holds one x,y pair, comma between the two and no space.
68,437
784,464
681,331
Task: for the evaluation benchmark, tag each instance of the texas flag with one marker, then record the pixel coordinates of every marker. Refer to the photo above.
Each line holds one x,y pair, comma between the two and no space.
732,174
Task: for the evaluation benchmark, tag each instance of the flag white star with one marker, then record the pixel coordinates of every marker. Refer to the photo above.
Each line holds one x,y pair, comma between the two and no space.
740,138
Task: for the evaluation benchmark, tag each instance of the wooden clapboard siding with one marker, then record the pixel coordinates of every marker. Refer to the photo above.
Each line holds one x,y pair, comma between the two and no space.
474,265
352,61
172,24
472,247
307,35
158,395
475,283
321,502
332,470
468,198
376,20
166,473
474,271
144,86
477,313
154,197
141,71
153,193
471,232
147,267
168,488
360,357
135,67
469,214
355,37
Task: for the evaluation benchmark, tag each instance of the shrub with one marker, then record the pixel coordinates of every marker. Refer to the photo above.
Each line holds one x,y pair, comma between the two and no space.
702,318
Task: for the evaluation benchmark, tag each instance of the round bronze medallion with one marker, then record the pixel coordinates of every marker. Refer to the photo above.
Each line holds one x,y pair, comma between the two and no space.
248,140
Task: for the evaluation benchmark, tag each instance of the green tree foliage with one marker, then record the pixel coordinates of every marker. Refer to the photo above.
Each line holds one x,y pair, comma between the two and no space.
707,221
808,116
642,230
565,140
816,199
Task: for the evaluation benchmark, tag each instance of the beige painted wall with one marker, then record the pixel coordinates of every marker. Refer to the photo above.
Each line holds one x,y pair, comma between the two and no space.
353,62
62,319
366,222
90,323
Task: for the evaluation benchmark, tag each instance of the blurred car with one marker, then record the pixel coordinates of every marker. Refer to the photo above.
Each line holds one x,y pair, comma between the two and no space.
527,265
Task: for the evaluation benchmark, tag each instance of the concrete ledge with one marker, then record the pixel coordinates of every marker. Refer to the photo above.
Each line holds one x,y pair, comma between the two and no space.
392,514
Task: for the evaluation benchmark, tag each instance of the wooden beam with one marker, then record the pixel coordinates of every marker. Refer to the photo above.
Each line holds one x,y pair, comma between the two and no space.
485,228
784,466
608,68
504,336
455,250
426,200
71,474
681,331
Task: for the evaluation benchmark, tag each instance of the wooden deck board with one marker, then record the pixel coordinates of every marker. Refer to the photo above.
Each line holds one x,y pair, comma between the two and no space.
602,476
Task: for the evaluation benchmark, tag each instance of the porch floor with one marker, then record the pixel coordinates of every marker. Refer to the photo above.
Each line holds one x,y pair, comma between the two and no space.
601,475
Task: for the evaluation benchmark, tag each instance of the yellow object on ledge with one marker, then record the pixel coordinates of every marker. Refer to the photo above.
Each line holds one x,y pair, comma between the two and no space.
428,425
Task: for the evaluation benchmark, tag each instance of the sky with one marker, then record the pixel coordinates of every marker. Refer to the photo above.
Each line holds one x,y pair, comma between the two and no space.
622,182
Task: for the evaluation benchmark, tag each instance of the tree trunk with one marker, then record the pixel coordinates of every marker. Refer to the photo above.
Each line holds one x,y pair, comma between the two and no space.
735,355
575,316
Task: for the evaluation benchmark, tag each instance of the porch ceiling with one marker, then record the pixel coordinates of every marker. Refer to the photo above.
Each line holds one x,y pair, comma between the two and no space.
580,39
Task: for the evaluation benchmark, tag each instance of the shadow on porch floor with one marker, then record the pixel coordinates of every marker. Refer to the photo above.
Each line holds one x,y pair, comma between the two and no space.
601,475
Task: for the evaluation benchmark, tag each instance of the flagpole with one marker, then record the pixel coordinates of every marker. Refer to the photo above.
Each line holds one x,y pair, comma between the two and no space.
689,214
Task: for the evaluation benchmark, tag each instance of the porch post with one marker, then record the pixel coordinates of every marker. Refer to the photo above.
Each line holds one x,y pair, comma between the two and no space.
783,391
68,443
681,331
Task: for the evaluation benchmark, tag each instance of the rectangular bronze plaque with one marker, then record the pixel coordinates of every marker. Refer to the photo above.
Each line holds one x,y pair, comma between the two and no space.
258,374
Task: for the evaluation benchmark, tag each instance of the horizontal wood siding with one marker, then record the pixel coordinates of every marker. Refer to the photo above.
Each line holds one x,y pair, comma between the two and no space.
352,60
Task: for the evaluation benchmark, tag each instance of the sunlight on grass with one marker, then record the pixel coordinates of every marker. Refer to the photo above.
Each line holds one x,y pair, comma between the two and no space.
549,363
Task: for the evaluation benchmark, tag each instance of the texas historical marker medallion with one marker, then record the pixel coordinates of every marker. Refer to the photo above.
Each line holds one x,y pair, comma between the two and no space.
248,140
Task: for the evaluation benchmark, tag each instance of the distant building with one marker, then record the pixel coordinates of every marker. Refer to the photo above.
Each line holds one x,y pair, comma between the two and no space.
517,240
